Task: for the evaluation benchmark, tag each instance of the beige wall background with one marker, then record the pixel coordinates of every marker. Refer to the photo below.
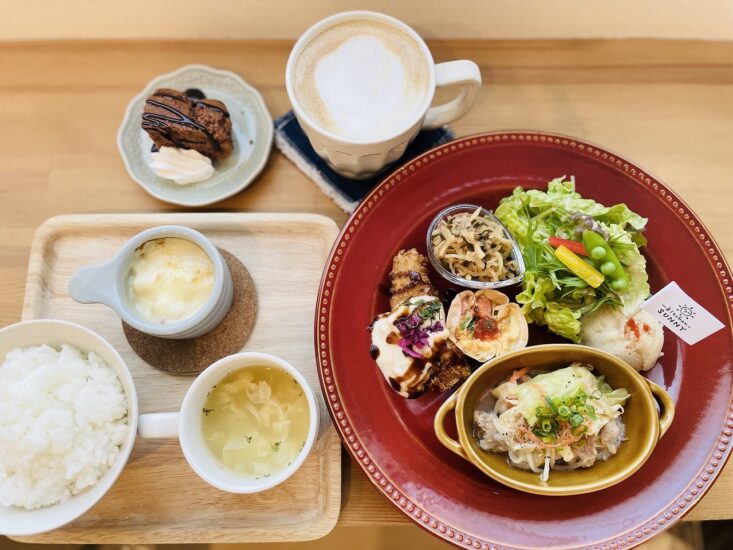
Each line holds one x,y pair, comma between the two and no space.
437,19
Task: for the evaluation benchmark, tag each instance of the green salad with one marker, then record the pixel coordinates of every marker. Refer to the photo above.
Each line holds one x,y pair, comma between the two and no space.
579,255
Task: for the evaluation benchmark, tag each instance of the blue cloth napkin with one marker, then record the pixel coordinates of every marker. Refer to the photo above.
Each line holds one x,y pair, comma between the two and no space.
294,144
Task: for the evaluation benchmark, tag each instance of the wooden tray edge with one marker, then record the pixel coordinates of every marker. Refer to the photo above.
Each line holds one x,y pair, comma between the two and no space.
47,232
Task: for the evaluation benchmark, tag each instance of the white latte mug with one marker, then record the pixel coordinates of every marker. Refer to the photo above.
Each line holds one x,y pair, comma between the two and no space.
186,425
359,159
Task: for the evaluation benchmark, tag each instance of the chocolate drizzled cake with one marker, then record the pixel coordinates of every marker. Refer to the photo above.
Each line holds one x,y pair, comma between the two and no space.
176,119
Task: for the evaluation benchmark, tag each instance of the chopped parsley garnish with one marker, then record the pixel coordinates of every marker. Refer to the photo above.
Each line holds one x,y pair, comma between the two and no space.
429,310
276,446
206,411
248,438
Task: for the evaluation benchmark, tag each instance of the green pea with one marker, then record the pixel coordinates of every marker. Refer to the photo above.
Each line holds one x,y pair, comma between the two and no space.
619,284
598,253
609,265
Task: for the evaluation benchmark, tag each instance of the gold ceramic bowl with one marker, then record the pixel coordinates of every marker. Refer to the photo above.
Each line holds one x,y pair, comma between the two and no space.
644,423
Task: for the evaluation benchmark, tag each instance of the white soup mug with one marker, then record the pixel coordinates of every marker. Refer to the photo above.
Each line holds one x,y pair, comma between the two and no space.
186,425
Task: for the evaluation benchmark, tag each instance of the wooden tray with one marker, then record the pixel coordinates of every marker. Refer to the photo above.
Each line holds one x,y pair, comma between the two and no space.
158,498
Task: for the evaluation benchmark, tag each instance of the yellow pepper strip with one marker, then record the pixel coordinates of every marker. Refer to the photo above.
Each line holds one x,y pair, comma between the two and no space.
579,266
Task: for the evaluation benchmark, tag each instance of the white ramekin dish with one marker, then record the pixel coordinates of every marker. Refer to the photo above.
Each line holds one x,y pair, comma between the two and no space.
17,522
186,425
107,284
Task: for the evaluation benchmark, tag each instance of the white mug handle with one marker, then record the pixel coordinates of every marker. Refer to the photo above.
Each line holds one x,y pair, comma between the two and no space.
454,73
158,425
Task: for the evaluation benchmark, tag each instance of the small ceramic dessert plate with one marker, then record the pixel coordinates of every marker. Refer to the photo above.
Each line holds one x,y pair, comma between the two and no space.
251,133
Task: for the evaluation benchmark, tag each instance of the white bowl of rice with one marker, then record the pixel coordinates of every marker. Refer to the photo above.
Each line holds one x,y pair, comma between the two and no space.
68,419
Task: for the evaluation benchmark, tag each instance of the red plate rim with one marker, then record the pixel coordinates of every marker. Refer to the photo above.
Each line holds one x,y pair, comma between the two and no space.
662,519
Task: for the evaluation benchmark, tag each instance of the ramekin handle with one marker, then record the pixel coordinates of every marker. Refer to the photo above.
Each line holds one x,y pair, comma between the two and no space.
439,426
666,407
93,284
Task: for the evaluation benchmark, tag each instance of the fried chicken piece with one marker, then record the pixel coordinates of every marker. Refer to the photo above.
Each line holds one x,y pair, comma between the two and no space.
449,370
445,366
409,277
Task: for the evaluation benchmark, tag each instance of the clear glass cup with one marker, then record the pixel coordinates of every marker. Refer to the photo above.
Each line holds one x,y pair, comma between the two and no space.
472,283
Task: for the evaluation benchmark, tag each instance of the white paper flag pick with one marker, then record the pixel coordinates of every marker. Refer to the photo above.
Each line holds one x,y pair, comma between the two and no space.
681,314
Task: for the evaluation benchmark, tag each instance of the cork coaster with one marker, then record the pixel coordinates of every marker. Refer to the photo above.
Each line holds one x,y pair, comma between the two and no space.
193,355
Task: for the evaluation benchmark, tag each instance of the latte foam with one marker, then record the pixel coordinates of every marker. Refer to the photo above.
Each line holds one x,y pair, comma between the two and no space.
362,80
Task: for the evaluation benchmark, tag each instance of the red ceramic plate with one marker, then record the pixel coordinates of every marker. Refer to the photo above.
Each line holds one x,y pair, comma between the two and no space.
392,438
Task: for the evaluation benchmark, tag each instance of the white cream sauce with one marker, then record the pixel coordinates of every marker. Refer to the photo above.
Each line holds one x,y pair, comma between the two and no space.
407,375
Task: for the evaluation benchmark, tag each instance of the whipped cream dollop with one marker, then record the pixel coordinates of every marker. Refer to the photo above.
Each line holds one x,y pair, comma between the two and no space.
183,166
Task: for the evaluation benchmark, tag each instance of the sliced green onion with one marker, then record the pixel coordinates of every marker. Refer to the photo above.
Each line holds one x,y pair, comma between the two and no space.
575,420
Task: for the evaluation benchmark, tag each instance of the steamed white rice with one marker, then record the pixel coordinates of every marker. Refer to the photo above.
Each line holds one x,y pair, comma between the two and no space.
63,418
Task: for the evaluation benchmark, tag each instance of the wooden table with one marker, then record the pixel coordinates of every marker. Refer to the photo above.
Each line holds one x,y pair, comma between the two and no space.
666,105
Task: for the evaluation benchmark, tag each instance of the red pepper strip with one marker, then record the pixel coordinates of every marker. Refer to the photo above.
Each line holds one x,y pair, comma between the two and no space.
574,246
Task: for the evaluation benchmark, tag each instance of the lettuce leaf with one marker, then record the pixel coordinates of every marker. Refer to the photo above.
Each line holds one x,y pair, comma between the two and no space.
563,321
627,251
617,396
551,294
558,384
